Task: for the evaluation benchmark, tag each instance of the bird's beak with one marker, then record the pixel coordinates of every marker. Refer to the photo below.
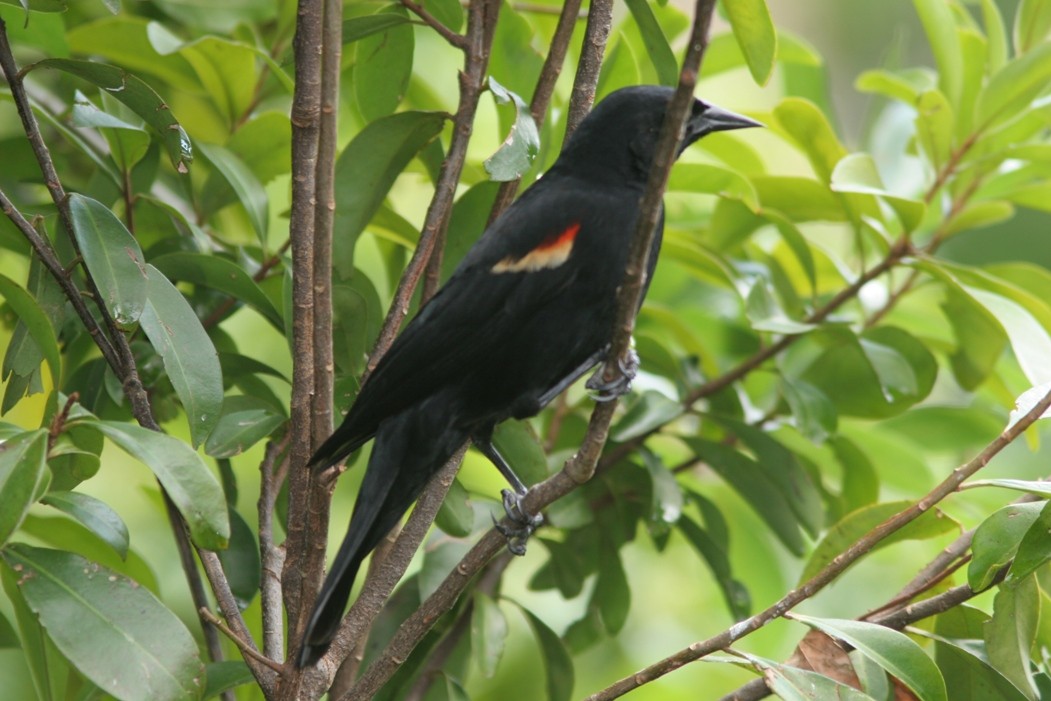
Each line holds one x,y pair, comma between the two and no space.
715,118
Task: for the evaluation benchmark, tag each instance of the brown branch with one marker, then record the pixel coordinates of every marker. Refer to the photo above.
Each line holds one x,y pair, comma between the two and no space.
271,558
247,649
308,496
840,563
600,21
457,40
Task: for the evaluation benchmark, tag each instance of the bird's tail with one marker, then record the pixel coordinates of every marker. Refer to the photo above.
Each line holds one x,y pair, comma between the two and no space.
409,449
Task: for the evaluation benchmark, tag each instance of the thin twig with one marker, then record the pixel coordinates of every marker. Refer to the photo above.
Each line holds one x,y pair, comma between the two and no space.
271,558
600,21
457,40
248,650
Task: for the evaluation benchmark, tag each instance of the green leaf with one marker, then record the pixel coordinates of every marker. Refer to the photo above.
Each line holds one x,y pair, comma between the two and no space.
1038,488
241,560
250,192
1032,23
904,86
518,150
1014,87
137,95
366,170
360,27
124,639
112,256
996,541
224,675
795,684
383,67
766,314
714,180
891,650
755,34
1010,634
227,71
751,481
23,476
220,274
964,662
190,360
736,595
935,124
857,173
650,411
612,595
520,446
1030,341
856,524
95,514
38,327
455,516
558,665
243,422
814,413
666,502
799,199
940,26
191,485
657,48
488,634
810,129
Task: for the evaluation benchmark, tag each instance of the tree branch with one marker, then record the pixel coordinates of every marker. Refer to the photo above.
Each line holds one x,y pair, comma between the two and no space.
600,21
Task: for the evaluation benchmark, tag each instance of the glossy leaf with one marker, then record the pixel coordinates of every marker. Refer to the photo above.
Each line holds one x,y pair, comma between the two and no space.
813,133
657,48
752,482
382,67
366,170
558,666
228,674
996,541
714,180
190,484
250,192
488,634
518,150
125,640
23,476
1027,401
650,411
1010,634
813,412
857,173
1032,24
95,514
519,444
755,34
38,327
736,595
137,95
856,524
190,359
113,258
795,684
219,274
940,26
893,651
964,661
243,422
1014,87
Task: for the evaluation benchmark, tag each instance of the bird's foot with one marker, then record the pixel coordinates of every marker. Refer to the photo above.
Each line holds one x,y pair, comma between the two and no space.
522,524
603,390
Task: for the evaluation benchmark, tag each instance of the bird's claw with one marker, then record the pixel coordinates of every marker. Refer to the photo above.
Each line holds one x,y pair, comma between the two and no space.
603,390
522,524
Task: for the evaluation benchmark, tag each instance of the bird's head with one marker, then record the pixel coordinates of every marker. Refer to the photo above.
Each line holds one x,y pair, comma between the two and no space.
618,139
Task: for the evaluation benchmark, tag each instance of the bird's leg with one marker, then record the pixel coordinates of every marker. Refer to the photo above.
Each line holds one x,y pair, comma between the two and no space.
570,378
603,390
523,524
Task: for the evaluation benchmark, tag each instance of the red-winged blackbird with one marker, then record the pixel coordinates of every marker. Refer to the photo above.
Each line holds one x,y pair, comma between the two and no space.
527,312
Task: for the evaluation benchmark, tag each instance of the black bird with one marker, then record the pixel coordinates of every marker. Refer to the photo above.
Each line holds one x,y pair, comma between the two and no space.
526,313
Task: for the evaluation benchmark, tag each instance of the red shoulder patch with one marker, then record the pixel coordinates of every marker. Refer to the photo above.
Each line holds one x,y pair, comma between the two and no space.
551,253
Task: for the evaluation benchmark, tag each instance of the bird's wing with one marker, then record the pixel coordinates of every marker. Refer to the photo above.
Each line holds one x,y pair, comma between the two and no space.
517,268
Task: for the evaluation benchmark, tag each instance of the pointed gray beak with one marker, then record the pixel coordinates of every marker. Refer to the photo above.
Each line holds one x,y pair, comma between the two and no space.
715,118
